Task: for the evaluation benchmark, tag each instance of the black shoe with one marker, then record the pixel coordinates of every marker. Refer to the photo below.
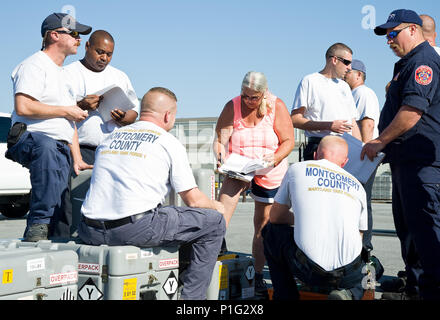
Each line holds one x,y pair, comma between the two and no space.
399,296
378,267
260,285
223,248
401,274
37,232
396,284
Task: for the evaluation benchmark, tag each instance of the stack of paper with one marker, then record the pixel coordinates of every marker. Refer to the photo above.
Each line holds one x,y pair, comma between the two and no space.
241,167
113,98
360,169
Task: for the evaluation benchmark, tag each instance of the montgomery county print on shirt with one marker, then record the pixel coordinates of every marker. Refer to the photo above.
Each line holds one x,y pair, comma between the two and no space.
127,142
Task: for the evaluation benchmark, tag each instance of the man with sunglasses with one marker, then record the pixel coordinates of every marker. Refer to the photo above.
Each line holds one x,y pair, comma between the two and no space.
43,122
367,106
323,102
410,137
429,34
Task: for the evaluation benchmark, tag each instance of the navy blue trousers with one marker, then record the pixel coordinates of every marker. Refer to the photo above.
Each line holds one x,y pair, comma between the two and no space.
416,213
48,161
204,229
280,252
367,236
66,227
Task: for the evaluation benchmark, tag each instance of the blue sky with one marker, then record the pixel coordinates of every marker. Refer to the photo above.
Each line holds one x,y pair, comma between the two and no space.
201,49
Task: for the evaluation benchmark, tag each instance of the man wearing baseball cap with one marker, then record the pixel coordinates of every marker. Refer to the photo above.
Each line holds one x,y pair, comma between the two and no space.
368,109
43,123
409,135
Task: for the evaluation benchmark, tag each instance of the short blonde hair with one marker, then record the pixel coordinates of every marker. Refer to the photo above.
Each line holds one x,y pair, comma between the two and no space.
257,81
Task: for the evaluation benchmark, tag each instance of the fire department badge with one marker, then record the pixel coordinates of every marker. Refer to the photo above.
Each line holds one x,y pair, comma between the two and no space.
423,75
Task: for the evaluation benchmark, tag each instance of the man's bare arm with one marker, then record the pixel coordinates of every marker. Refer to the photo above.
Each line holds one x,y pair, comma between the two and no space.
27,106
300,122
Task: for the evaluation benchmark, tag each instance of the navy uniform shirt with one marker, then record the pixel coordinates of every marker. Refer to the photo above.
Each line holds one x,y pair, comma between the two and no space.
415,83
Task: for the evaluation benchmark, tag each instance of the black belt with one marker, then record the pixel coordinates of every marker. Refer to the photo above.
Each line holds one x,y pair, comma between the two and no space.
63,142
336,274
110,224
84,146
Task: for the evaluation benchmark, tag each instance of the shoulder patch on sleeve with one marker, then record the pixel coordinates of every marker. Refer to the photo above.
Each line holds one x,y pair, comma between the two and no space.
423,75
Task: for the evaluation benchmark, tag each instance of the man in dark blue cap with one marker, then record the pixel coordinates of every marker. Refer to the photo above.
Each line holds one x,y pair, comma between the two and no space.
367,106
410,136
43,122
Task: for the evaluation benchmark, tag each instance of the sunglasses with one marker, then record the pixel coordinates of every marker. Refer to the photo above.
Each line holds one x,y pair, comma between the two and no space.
344,61
252,99
393,34
72,33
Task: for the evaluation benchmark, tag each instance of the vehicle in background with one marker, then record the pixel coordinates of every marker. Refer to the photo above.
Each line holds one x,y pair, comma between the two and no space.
15,184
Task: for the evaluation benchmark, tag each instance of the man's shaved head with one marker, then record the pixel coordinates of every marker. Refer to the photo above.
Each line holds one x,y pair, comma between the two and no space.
100,34
159,100
336,50
428,29
428,23
333,149
159,105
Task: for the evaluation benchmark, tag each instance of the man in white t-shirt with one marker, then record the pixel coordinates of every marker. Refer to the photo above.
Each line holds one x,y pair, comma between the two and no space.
367,106
135,168
323,248
429,32
43,122
323,102
86,77
90,75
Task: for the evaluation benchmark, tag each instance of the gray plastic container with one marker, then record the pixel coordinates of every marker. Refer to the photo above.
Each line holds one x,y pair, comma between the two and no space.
121,272
36,274
233,278
79,187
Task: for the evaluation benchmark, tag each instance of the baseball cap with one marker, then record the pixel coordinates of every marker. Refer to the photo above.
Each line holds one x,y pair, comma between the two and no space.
63,20
397,17
358,65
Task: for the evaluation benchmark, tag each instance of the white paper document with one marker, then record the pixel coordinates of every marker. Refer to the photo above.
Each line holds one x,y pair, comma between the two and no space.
360,169
241,167
113,98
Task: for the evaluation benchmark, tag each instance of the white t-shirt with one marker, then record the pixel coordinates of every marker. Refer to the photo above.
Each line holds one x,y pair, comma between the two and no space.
41,78
437,49
367,105
329,207
325,99
83,82
135,168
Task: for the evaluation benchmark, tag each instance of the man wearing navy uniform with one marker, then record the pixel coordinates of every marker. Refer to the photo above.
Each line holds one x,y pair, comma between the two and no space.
410,136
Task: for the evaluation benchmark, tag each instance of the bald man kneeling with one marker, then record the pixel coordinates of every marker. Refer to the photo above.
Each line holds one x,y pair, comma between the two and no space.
320,242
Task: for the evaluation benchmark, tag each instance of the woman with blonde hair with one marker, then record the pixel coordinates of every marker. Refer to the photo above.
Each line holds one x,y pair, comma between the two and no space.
255,124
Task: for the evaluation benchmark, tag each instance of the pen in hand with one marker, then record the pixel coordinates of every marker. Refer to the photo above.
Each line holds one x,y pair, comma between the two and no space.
219,160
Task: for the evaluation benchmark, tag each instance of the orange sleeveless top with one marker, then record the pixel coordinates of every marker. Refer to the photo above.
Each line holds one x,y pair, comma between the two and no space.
255,142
